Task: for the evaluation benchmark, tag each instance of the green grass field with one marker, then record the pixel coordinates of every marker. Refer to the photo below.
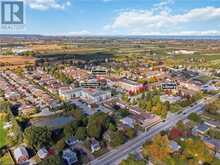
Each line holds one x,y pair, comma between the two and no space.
3,134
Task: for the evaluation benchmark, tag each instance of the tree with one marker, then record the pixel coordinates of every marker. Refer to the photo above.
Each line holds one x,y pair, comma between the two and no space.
194,117
130,133
197,150
94,130
131,160
37,137
98,124
81,133
53,160
117,138
175,134
125,98
113,127
149,106
70,129
159,150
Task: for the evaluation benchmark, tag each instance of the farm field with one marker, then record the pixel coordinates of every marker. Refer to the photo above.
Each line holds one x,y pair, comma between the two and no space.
15,61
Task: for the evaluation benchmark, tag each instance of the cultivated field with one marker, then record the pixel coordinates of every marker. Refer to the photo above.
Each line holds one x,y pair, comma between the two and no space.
15,60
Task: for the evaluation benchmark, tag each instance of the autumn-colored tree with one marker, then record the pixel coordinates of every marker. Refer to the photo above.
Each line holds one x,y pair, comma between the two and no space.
159,150
175,133
197,150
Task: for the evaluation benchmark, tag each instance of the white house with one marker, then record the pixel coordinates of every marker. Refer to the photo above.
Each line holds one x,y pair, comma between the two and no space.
95,146
42,153
21,155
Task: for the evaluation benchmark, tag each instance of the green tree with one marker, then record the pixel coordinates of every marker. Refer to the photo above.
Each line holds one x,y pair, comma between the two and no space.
98,124
94,130
52,160
70,129
117,138
149,105
130,133
194,117
81,133
37,137
131,160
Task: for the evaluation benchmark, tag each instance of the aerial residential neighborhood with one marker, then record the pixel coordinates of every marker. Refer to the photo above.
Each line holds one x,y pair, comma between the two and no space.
108,82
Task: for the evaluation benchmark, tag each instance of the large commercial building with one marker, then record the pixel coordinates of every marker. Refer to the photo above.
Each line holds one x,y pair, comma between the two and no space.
88,94
129,85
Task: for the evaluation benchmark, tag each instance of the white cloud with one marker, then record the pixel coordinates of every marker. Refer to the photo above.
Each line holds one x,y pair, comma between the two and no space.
47,4
198,21
181,33
163,5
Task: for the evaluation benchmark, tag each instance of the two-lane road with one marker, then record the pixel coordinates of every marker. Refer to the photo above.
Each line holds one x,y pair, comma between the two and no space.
132,145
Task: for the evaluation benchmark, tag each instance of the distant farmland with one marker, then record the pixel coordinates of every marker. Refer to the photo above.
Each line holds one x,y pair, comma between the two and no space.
6,61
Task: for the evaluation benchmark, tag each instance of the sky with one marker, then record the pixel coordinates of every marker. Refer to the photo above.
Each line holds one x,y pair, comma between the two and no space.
122,17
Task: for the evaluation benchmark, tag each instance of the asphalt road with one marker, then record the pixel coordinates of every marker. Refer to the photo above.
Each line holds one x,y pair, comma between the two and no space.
122,151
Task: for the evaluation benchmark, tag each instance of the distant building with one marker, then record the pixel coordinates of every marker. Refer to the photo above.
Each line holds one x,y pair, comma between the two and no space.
21,155
26,110
66,93
209,88
191,86
129,85
88,94
69,156
170,99
144,119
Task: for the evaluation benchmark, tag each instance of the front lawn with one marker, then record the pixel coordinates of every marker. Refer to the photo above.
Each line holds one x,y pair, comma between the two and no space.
3,134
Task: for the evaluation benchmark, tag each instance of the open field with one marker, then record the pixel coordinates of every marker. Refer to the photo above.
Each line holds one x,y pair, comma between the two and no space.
15,60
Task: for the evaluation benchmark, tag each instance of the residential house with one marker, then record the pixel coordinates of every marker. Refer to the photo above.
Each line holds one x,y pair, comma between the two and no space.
21,155
201,129
174,146
95,145
69,156
42,153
